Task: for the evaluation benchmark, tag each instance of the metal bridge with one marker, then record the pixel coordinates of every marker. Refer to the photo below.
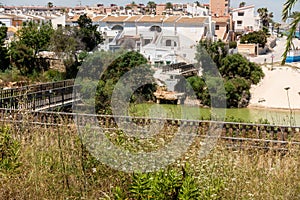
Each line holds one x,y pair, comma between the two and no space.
38,97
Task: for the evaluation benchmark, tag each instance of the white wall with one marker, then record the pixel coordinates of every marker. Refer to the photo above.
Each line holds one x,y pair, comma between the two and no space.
61,20
7,22
248,20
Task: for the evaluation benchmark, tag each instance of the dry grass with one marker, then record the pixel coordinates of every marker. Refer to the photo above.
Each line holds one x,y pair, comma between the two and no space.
55,165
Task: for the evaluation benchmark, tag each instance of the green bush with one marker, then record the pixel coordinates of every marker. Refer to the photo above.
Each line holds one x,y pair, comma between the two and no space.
232,45
9,151
256,37
170,183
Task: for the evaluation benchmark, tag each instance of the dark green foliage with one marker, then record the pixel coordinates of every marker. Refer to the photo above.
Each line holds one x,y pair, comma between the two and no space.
115,70
256,37
22,57
237,72
236,88
217,50
237,66
232,44
88,33
4,57
170,184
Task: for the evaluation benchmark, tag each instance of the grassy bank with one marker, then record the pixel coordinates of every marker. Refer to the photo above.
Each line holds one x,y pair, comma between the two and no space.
39,162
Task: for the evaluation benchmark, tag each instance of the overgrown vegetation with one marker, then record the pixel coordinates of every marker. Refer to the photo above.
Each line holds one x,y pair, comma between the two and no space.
237,72
122,64
51,163
35,46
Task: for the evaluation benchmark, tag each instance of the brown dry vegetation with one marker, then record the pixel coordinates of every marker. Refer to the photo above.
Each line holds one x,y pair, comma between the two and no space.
55,165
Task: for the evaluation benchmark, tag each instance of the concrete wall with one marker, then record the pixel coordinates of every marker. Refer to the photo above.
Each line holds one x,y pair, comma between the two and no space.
248,49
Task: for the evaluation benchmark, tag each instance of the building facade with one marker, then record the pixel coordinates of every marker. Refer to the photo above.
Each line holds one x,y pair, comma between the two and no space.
219,8
244,19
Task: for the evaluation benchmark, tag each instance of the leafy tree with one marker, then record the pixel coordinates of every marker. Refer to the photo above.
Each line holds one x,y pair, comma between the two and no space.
237,72
265,17
88,33
288,6
256,37
216,50
22,57
115,70
35,36
31,39
236,89
4,57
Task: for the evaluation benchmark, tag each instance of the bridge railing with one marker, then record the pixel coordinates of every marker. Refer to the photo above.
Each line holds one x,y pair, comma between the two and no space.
42,96
279,135
4,93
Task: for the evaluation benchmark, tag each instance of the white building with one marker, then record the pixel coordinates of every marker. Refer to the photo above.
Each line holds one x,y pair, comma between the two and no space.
6,20
245,20
159,38
195,10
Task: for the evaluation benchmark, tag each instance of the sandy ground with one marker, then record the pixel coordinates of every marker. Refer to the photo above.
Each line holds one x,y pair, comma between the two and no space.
271,92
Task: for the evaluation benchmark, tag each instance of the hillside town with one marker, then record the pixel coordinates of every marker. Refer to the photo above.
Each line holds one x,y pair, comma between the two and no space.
165,34
156,30
182,101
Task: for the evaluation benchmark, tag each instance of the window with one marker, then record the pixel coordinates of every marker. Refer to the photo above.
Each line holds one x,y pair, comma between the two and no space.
155,28
217,27
168,43
239,23
147,41
117,28
240,13
226,5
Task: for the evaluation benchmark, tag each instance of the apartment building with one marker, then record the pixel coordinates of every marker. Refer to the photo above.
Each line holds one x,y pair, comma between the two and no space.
219,8
244,19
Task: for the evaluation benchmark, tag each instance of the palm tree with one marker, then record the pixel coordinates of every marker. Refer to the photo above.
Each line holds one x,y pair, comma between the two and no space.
50,4
169,6
265,17
287,8
242,4
197,3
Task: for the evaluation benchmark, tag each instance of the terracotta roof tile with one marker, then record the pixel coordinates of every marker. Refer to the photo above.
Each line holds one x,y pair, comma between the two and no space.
97,18
171,19
133,18
73,19
114,19
151,19
221,19
193,20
